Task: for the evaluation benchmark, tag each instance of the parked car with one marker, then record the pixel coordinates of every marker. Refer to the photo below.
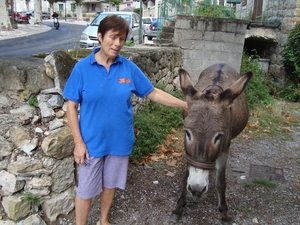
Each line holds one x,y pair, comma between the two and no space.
154,27
20,18
89,35
46,15
146,23
30,13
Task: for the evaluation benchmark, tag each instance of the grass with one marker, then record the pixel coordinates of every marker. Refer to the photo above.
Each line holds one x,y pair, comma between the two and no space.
246,210
31,198
261,181
271,120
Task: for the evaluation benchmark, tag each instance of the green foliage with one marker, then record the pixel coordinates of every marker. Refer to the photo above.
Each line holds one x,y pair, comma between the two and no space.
261,181
256,91
265,182
79,53
115,2
291,61
208,9
78,2
137,10
245,209
152,125
33,101
290,92
128,44
31,198
291,55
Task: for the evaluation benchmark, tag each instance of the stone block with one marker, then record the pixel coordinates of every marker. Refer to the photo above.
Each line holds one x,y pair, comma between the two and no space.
9,183
15,208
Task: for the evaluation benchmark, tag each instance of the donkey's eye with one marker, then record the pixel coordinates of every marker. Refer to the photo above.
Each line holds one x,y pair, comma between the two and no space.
187,134
218,137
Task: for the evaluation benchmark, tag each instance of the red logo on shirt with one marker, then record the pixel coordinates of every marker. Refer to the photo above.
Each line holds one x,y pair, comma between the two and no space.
124,80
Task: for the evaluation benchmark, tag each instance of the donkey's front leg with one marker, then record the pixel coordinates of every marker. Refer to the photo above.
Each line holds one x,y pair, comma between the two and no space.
221,185
177,213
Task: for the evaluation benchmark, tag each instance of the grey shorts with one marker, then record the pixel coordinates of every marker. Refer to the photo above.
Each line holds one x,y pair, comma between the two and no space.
109,171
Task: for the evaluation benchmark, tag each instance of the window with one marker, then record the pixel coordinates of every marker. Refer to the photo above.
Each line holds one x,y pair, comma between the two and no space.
61,7
73,7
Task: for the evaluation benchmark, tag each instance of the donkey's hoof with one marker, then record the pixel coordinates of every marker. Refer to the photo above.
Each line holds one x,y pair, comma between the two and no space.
175,217
226,219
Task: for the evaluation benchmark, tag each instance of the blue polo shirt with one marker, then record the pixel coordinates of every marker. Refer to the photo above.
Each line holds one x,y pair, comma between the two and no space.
106,116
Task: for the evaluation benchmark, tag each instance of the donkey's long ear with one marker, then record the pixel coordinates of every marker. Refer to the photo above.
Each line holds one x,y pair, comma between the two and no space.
187,86
236,88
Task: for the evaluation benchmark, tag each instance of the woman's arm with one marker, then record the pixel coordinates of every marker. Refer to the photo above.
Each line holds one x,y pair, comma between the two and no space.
166,99
80,150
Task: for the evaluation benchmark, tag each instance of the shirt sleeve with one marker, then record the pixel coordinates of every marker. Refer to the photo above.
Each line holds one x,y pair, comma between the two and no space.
143,85
73,87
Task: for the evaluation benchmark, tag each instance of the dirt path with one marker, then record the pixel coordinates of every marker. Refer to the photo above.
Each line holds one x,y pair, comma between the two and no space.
152,191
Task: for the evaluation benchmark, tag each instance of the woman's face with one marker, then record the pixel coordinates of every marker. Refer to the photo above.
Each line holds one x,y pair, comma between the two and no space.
112,42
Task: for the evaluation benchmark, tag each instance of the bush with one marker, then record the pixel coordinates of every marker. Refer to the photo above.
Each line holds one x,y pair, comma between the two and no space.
291,55
256,91
291,61
208,9
152,125
33,101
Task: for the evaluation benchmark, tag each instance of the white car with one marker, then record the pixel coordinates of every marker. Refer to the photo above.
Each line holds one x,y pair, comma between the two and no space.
89,35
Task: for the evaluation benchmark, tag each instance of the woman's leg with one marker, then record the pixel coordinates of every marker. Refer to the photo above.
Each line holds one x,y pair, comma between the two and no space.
114,176
106,200
82,209
89,186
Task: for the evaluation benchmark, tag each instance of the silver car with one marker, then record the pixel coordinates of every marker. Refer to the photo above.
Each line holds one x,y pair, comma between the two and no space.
89,35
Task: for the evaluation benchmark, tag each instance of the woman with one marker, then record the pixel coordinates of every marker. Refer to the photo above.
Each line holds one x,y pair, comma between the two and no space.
102,85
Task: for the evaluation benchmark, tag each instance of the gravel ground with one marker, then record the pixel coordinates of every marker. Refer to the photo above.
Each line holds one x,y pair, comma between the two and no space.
153,188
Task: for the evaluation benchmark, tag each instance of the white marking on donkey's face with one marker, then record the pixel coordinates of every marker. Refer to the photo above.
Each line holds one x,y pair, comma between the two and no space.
197,182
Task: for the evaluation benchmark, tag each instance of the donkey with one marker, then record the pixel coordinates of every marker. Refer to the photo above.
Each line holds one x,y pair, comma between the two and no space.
218,112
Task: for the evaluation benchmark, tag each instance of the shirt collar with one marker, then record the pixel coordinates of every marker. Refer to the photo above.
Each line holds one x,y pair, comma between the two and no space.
93,59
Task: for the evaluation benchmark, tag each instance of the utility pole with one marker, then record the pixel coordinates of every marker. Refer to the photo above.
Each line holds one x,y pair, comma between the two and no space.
140,25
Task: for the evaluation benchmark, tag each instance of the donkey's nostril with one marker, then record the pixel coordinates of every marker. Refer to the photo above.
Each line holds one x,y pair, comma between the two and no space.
196,192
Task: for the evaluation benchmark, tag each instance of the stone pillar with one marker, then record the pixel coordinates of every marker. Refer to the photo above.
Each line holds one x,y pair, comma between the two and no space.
206,41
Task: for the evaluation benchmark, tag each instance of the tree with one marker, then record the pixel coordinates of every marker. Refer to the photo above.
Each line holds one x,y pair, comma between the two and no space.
115,2
5,23
79,9
51,5
27,4
38,12
51,2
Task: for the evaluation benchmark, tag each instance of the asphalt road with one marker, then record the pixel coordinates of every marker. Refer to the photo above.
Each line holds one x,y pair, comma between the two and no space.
67,37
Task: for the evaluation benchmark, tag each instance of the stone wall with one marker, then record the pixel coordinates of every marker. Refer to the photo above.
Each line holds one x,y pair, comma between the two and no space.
36,145
206,41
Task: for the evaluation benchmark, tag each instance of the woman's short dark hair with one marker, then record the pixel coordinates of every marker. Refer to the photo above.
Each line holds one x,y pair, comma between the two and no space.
115,23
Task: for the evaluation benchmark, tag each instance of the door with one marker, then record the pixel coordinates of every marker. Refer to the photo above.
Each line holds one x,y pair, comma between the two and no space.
257,10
